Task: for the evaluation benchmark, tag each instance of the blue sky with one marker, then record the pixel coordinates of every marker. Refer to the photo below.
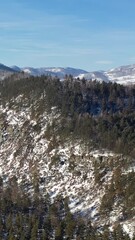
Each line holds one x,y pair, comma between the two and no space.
87,34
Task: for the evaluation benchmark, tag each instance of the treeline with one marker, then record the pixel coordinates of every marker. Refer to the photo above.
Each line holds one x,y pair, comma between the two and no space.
74,95
100,113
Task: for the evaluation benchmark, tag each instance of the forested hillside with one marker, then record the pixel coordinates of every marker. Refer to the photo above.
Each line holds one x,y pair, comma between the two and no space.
66,159
102,113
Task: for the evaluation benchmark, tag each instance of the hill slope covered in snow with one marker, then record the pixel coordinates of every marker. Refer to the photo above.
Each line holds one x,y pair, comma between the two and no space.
70,140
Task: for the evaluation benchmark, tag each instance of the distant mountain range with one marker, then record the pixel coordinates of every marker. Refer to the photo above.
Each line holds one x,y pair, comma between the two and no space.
123,75
53,71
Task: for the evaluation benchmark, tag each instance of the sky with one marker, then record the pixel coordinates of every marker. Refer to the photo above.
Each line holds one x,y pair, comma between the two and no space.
87,34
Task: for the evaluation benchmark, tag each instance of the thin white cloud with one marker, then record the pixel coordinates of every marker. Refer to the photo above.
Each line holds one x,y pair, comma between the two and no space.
104,62
132,59
50,50
81,20
28,25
